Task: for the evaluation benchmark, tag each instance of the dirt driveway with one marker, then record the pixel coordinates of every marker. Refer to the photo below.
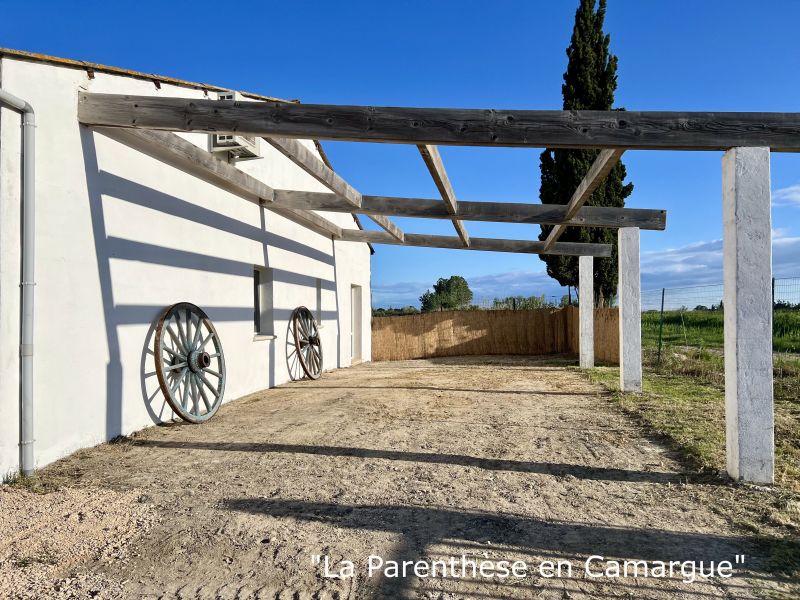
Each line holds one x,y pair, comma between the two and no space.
493,459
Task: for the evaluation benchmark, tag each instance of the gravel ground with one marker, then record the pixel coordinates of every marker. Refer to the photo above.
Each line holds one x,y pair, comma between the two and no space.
491,458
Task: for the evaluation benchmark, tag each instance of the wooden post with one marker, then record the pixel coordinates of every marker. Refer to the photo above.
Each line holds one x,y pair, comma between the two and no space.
586,310
747,268
630,311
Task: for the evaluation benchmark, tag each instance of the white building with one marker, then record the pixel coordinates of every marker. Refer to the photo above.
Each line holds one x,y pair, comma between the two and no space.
120,235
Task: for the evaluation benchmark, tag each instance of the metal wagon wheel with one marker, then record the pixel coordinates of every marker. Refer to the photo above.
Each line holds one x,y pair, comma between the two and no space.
189,362
307,342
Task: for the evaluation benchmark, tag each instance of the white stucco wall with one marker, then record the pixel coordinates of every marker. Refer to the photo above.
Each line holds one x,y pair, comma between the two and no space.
120,235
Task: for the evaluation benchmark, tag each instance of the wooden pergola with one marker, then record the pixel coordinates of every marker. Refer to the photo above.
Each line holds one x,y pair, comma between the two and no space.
149,123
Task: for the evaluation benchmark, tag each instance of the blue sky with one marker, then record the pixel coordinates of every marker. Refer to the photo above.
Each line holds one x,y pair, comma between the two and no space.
673,55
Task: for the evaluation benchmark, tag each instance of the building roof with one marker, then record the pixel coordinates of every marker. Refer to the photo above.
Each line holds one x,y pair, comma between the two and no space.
92,68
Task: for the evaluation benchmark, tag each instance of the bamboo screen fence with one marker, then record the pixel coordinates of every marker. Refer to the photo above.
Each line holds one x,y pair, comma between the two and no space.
479,332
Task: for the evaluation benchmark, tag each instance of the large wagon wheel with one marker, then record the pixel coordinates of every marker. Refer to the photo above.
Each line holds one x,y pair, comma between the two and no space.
189,362
307,342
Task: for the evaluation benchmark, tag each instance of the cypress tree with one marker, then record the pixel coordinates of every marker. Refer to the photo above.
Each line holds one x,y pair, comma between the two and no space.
589,84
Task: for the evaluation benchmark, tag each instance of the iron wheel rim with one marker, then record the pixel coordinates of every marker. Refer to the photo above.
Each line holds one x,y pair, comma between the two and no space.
307,342
191,378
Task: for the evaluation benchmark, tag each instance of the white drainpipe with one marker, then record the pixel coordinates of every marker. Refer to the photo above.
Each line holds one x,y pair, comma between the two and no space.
27,283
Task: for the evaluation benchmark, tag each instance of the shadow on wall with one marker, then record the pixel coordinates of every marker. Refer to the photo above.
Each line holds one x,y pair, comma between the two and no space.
101,183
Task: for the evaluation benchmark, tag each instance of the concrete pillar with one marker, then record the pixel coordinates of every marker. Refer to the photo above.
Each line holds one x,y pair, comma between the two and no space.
586,310
747,269
630,311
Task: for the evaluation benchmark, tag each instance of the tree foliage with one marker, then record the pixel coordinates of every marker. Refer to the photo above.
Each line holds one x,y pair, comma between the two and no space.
589,84
452,293
522,302
394,312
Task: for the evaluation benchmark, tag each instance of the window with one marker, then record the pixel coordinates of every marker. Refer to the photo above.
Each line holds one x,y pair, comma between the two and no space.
262,301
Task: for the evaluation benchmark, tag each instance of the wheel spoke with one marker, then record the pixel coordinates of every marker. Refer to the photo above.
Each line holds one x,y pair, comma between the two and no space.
195,395
188,328
212,372
208,383
205,341
177,366
178,382
183,394
197,331
181,333
175,339
303,326
203,396
176,387
172,352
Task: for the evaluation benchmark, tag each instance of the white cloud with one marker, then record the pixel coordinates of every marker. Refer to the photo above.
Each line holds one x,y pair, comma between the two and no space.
700,263
787,196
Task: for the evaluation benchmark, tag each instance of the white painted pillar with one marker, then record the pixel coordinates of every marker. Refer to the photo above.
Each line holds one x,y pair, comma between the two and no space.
586,310
630,311
747,249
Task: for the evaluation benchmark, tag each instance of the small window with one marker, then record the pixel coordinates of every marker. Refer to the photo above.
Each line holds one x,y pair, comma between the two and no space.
318,312
262,301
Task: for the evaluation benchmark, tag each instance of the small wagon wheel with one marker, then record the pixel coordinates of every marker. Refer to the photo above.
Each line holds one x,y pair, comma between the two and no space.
189,362
307,342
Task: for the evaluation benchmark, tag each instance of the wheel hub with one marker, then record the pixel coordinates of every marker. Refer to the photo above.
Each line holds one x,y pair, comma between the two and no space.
199,360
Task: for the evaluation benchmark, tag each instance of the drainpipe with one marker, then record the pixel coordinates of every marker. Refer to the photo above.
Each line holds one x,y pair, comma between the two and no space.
27,282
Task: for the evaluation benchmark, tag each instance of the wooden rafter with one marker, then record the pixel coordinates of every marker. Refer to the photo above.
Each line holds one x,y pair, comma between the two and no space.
601,167
465,127
304,159
501,212
176,150
484,244
433,160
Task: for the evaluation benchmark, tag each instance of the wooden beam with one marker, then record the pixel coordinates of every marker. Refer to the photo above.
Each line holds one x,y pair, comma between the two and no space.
501,212
184,154
484,244
601,167
303,158
450,126
433,160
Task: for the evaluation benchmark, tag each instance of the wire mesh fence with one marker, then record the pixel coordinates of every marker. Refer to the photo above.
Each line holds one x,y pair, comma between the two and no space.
694,316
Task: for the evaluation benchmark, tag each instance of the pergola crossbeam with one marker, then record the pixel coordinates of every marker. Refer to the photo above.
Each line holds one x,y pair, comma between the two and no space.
500,212
601,167
449,126
433,160
303,158
483,244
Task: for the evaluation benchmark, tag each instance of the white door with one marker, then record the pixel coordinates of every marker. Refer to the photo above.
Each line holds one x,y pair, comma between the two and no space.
355,324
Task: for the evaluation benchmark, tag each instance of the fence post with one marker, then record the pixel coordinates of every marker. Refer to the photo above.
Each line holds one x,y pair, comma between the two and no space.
773,293
660,328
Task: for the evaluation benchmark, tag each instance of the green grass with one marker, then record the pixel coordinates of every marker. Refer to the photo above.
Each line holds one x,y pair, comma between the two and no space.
683,404
36,483
704,328
688,414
